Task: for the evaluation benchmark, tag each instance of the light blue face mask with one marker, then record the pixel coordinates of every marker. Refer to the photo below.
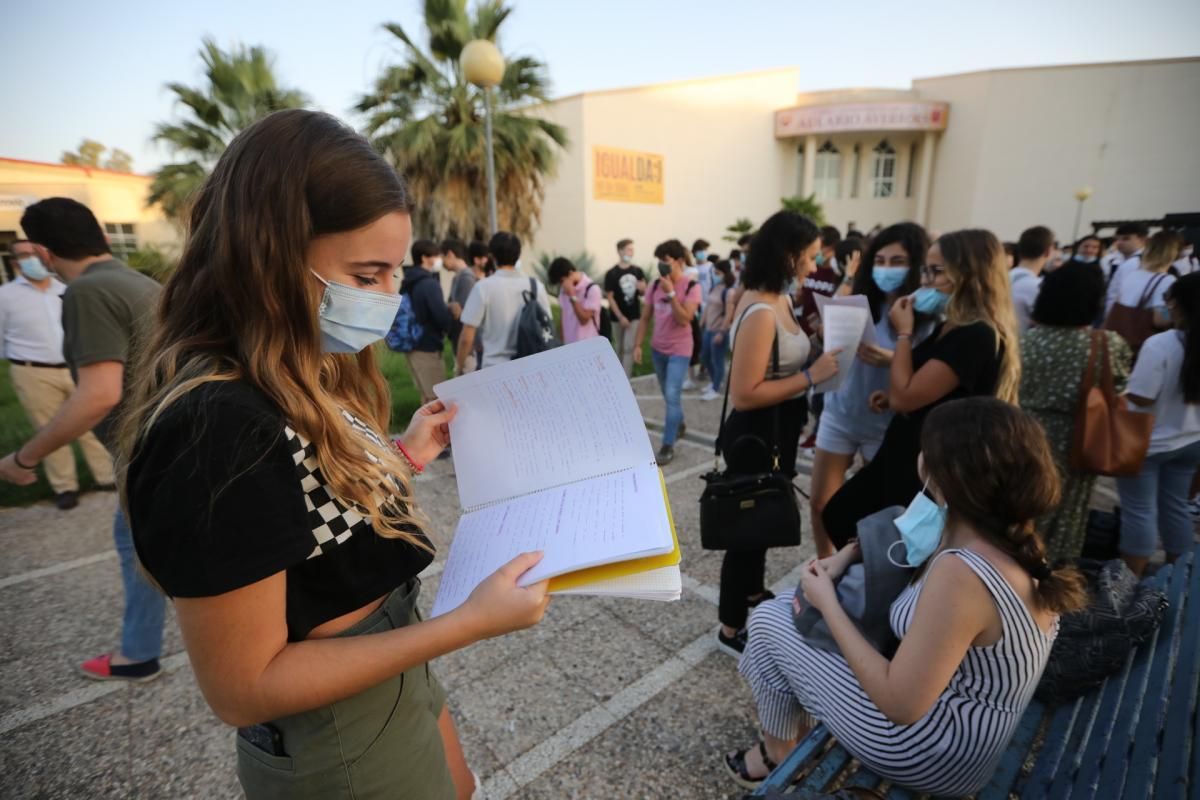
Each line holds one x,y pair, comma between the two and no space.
921,527
930,301
33,268
701,255
352,319
819,259
889,279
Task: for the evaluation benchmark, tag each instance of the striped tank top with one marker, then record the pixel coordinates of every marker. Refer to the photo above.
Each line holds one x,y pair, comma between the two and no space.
975,717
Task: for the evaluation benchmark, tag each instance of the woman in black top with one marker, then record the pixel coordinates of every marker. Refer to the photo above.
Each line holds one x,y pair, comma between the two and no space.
263,495
975,351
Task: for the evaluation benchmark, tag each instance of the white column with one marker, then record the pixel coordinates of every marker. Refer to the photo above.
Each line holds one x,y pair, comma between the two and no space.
925,179
810,165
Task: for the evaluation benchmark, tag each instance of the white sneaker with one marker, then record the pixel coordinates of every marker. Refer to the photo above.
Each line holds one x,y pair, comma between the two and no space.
710,394
689,384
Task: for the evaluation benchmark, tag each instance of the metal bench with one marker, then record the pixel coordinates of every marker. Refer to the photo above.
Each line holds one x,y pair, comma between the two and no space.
1133,737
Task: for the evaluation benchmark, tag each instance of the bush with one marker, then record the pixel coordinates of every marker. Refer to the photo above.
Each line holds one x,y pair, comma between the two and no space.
153,261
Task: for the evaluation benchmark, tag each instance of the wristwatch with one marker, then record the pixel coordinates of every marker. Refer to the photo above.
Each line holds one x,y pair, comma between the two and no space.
671,296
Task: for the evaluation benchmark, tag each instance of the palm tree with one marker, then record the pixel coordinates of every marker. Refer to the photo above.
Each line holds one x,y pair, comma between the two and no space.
426,118
241,88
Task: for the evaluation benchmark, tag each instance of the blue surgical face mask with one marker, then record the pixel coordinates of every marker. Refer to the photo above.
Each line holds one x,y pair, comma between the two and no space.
32,268
921,527
701,255
352,318
626,258
1082,259
929,300
889,279
820,259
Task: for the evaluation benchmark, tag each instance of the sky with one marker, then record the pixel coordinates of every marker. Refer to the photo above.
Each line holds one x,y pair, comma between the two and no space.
80,69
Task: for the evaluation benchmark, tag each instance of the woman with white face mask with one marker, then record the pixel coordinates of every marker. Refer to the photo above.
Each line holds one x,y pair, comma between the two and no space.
975,626
264,496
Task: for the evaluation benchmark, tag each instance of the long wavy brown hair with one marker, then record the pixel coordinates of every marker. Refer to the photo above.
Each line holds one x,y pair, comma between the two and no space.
982,292
242,305
992,463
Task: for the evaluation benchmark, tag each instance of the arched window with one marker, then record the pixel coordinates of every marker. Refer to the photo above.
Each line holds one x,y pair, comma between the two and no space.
827,177
883,174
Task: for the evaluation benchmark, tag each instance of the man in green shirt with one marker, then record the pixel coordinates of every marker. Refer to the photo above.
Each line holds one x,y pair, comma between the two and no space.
105,309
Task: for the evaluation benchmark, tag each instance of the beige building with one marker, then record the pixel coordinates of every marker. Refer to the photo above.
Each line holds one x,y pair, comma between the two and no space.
1003,149
117,199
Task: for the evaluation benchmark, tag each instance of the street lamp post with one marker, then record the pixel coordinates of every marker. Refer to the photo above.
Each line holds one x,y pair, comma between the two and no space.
483,65
1081,195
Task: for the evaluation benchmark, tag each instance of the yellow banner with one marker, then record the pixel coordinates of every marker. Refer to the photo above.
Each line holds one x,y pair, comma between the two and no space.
627,176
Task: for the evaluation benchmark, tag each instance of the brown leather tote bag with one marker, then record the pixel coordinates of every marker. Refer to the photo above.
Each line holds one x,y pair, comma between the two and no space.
1109,439
1135,323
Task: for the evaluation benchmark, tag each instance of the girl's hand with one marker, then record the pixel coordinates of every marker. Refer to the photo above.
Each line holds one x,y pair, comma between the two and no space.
429,432
878,402
874,355
826,366
637,355
902,316
836,564
817,586
498,605
719,338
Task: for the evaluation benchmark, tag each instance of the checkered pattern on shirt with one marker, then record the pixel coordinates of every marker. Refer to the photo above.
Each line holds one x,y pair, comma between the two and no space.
332,522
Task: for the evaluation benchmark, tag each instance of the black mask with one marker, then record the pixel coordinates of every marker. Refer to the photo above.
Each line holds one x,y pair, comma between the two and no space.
664,269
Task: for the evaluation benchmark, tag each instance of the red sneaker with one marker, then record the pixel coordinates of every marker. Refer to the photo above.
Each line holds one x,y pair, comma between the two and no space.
809,443
101,668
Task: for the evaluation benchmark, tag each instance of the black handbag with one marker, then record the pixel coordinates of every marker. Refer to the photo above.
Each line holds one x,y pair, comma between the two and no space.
749,510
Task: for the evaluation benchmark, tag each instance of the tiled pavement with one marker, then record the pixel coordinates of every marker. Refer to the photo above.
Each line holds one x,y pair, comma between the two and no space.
605,698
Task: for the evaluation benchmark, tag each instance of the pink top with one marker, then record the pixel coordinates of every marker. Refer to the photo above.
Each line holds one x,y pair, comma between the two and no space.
670,338
589,298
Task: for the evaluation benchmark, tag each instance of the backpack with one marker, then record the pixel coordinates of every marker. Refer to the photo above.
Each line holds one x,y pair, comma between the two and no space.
406,331
534,327
604,326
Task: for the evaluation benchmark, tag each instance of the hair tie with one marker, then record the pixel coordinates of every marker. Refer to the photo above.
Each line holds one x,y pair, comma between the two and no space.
1041,571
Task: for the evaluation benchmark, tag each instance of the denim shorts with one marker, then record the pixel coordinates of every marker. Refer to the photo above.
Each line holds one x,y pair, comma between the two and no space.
834,436
381,743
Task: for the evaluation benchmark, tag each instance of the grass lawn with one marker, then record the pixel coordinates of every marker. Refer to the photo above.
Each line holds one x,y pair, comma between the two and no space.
15,428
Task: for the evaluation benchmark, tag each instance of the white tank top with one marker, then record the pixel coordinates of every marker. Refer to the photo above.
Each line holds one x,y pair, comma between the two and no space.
794,348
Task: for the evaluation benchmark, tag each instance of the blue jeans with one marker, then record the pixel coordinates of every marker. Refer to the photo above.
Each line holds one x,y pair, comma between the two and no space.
145,606
670,371
712,356
1154,503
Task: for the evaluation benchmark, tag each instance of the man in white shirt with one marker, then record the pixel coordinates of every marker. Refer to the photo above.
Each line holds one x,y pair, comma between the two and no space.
1131,239
495,303
31,335
1034,249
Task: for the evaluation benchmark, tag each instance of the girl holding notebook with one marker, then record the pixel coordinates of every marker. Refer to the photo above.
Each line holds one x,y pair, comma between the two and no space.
264,496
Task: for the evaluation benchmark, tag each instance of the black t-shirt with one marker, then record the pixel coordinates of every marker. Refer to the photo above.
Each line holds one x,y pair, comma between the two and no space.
971,352
223,493
622,282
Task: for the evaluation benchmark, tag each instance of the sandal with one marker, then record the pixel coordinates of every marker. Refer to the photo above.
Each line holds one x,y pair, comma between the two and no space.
735,763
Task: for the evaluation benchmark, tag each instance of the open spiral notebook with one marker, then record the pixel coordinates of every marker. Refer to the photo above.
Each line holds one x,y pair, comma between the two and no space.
551,454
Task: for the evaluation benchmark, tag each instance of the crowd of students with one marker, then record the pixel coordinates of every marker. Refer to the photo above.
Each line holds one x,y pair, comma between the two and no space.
260,491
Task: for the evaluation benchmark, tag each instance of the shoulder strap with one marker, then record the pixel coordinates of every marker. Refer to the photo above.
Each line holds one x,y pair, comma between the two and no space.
1150,288
729,380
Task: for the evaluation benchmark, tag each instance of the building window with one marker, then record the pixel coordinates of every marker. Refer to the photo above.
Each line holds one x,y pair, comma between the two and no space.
121,238
855,172
883,174
912,164
827,181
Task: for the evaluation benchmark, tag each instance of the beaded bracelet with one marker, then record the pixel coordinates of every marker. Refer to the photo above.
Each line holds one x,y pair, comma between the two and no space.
808,378
412,463
16,456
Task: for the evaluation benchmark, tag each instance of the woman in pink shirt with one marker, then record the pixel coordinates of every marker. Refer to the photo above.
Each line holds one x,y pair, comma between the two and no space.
674,300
